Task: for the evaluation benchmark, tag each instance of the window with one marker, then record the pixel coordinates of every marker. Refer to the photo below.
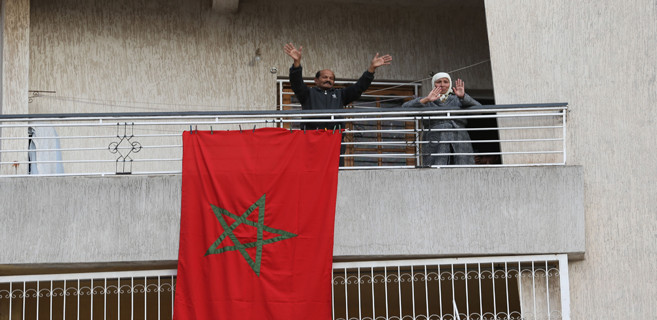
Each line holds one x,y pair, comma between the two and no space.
369,139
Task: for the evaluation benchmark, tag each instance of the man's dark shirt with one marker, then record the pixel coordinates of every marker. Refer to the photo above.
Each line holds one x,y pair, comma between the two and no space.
317,99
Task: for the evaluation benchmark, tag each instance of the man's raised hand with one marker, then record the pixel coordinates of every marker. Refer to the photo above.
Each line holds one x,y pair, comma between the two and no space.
294,53
378,61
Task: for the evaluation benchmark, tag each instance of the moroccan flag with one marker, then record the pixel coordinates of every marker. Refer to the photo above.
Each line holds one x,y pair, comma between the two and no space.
256,228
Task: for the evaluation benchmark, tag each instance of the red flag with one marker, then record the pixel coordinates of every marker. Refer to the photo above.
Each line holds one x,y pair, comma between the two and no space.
256,229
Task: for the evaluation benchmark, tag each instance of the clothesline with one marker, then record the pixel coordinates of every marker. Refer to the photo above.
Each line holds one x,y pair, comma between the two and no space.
145,105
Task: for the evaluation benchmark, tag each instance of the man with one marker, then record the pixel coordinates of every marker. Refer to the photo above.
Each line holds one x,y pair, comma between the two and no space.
323,95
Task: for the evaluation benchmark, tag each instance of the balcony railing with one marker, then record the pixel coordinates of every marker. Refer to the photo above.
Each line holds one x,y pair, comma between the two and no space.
150,143
515,287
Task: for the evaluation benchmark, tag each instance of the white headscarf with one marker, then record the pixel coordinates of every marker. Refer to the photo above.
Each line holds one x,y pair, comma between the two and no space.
440,75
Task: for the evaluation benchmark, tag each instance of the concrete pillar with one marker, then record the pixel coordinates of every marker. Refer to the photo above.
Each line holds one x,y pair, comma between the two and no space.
14,78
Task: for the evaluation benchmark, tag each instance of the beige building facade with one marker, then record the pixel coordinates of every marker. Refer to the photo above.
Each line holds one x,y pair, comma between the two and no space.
173,55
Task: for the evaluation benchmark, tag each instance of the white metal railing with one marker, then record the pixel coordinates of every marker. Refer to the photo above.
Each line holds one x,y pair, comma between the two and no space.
150,143
514,287
100,295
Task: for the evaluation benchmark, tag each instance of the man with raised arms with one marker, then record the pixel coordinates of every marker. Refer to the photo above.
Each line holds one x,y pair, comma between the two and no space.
323,95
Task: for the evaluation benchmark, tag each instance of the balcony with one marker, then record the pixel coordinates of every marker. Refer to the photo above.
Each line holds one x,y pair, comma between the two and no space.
109,190
376,138
516,287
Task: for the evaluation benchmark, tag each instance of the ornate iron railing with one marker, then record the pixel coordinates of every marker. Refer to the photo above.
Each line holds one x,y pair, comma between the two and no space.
487,288
522,287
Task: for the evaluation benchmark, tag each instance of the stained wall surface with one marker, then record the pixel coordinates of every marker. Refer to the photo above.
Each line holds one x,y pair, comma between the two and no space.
393,213
14,54
179,55
14,71
600,58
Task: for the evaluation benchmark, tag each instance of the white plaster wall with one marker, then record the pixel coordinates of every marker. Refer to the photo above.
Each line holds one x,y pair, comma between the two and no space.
181,55
600,58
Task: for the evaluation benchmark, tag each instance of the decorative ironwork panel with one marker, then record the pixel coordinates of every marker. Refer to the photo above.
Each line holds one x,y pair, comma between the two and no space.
494,288
149,297
124,147
477,290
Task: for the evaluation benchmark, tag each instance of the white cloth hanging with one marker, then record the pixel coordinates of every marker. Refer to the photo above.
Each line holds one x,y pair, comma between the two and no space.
44,151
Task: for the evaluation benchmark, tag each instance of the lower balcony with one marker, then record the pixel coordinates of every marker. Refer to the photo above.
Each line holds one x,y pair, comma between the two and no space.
512,287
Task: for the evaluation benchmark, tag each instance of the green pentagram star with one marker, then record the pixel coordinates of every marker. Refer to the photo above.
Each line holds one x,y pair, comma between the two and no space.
241,247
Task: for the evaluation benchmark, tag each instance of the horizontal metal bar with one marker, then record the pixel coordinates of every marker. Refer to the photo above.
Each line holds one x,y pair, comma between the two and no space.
94,149
61,137
91,161
377,167
500,128
336,265
497,116
378,155
495,153
175,172
421,112
89,276
488,141
74,174
381,143
364,95
175,134
362,155
395,131
499,165
446,261
413,143
320,118
264,114
413,131
382,83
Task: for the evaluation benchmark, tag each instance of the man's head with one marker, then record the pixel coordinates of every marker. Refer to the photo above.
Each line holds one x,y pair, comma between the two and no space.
324,79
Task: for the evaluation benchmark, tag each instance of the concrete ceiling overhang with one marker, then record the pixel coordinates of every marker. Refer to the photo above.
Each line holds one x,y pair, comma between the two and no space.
231,6
225,6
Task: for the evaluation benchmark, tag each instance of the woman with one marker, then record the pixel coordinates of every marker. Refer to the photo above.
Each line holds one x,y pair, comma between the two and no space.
443,96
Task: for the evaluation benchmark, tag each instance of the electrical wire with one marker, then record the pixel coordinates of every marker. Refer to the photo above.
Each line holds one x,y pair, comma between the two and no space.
134,105
423,79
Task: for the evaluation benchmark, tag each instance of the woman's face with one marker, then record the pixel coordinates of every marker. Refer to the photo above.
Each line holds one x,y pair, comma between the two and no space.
443,84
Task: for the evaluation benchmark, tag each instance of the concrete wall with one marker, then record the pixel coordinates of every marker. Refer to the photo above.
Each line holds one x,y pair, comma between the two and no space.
600,58
181,55
429,212
14,53
14,71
